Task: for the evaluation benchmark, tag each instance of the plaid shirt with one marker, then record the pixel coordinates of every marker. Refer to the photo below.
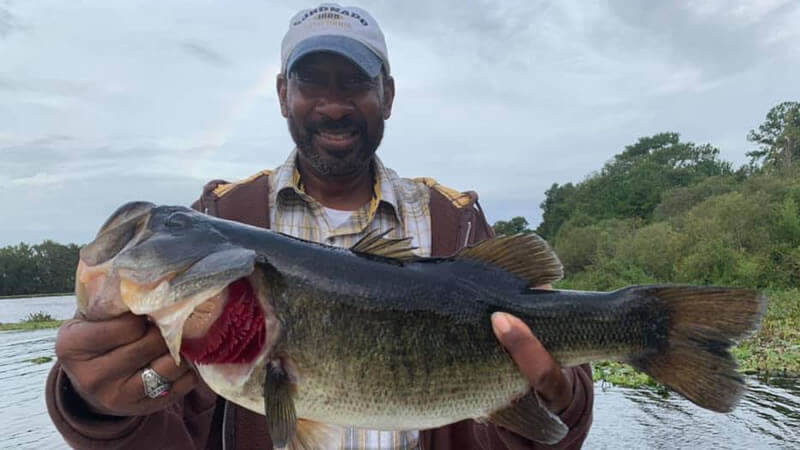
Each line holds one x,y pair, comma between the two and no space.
398,204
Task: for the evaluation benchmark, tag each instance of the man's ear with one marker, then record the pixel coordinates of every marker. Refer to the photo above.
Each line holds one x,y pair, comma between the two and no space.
282,85
388,97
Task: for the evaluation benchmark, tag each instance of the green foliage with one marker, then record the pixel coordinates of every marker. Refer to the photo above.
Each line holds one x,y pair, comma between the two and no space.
620,374
41,360
787,226
680,199
779,139
653,249
39,316
44,268
748,237
514,226
579,245
775,349
663,210
555,209
632,183
706,225
30,326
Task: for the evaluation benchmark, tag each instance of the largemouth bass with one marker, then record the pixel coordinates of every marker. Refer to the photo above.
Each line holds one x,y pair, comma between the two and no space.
316,337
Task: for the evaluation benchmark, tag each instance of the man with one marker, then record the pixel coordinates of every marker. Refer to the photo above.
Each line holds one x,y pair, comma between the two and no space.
115,385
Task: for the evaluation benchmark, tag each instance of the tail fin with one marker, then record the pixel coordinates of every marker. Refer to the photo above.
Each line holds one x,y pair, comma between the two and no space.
704,323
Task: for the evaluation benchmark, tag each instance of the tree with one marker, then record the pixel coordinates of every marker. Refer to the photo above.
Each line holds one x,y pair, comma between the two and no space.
514,226
632,183
778,137
44,268
555,209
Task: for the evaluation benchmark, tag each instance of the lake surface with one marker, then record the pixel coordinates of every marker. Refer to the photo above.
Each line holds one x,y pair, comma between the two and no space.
17,309
768,416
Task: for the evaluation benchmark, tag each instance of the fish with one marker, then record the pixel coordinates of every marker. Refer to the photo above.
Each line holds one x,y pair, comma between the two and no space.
318,338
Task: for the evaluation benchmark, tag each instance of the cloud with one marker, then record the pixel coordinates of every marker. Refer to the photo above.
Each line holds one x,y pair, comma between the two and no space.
9,23
501,97
720,39
204,53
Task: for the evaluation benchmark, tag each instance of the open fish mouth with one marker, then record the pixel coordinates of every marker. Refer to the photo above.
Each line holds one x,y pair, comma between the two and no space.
237,336
164,262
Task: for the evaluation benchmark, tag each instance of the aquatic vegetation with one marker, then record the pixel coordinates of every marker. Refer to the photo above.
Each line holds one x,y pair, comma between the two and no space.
41,360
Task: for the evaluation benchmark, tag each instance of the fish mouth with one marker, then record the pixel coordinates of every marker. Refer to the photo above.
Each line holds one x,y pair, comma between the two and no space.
237,336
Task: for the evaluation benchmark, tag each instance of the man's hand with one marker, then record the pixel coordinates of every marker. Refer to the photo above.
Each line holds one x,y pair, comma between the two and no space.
104,361
535,362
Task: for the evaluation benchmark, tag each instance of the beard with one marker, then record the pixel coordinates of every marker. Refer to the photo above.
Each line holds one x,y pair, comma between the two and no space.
340,163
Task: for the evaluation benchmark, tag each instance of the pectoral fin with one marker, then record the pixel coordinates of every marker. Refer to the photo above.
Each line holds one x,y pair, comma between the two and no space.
285,429
279,405
529,418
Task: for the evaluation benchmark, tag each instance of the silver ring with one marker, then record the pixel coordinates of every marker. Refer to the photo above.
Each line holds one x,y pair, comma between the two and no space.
155,385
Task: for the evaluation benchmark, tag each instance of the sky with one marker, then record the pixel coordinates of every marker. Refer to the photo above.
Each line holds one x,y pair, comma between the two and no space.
103,102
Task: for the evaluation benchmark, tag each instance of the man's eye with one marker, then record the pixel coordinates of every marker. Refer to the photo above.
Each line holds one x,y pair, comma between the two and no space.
358,81
307,77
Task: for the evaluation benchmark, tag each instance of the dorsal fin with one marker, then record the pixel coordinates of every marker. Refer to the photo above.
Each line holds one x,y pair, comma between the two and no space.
527,256
376,243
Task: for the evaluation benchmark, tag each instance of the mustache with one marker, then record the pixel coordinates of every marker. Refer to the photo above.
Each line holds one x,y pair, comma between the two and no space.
345,123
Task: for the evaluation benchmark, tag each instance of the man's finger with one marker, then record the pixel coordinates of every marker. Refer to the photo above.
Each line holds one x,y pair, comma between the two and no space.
165,366
533,360
81,337
139,354
179,388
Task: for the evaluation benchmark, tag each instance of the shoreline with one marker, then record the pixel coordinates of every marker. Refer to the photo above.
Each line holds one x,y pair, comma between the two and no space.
30,326
13,297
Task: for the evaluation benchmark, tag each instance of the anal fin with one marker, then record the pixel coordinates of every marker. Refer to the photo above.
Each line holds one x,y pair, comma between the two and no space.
315,435
529,418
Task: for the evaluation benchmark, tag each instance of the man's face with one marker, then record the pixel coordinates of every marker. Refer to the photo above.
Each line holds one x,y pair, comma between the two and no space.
335,113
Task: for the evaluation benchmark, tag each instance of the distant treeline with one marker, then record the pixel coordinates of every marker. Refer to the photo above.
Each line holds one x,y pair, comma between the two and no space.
45,268
668,210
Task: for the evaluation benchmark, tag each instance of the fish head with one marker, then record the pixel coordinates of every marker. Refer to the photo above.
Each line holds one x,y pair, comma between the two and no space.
176,265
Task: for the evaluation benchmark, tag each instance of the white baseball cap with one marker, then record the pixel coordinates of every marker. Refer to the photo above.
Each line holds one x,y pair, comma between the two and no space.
345,30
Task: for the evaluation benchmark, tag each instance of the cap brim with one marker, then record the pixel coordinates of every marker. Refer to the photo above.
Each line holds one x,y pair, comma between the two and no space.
358,53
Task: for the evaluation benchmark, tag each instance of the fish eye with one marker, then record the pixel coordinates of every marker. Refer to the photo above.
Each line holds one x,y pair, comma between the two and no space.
178,220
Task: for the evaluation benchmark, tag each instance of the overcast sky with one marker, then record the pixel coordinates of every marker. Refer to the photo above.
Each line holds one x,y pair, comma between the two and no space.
102,102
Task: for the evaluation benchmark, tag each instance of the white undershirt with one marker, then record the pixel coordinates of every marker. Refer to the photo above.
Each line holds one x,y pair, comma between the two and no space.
336,216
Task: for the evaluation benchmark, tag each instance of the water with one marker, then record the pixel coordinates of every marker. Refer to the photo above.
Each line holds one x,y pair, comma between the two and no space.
768,417
17,309
25,423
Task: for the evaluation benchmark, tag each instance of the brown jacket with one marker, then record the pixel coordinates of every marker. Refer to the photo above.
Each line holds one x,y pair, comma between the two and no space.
204,421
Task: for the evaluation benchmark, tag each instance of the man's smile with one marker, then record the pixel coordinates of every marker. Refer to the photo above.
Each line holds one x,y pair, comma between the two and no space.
337,140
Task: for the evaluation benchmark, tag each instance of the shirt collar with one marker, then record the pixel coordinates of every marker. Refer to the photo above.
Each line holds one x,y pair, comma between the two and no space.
287,177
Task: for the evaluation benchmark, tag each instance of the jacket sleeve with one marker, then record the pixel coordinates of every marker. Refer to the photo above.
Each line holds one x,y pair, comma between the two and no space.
577,416
185,424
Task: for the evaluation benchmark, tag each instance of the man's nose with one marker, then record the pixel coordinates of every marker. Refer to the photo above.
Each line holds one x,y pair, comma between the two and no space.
335,105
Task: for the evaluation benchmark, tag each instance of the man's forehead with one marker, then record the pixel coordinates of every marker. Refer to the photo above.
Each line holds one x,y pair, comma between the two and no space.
328,62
